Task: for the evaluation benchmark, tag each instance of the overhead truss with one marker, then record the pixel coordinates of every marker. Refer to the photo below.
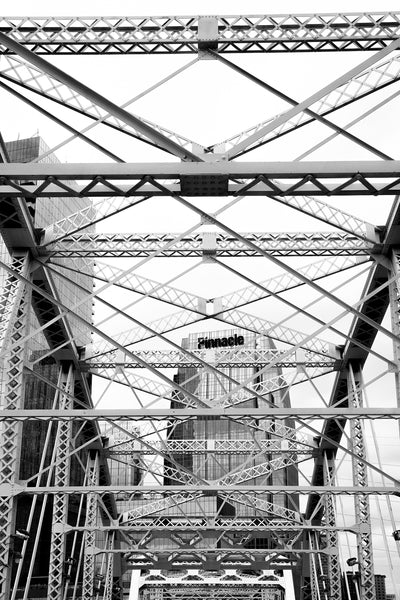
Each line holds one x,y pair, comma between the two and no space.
230,461
182,34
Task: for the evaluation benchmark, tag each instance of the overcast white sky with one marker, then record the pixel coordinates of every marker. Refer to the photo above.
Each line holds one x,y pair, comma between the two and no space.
210,90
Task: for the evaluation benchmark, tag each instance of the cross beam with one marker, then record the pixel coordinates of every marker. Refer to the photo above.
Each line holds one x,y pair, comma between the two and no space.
317,178
179,34
137,245
388,412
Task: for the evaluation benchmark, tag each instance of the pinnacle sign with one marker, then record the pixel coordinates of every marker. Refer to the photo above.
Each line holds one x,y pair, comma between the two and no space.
225,342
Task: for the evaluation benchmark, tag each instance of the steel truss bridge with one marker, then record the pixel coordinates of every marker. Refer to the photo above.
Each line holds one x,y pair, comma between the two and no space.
329,300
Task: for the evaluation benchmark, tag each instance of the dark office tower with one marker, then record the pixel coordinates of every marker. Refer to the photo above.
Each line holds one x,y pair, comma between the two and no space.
47,366
210,388
350,591
123,453
380,587
45,213
244,350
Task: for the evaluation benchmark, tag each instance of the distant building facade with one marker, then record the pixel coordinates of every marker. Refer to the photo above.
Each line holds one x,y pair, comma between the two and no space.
46,212
208,387
350,591
40,389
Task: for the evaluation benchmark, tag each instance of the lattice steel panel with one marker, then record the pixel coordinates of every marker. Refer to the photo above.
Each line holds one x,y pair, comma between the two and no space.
179,34
210,456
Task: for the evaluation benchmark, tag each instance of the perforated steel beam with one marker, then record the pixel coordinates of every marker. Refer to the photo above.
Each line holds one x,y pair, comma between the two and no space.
296,32
223,358
199,446
231,489
216,244
352,178
274,180
360,478
14,307
60,502
91,517
375,306
388,412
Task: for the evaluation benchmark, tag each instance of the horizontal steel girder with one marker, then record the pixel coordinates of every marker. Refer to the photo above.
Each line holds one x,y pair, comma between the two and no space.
198,446
207,490
219,357
201,179
210,524
179,34
154,414
202,592
235,550
210,563
215,244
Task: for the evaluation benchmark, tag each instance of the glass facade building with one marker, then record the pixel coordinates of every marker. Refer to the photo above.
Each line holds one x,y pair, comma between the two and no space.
213,389
40,385
45,213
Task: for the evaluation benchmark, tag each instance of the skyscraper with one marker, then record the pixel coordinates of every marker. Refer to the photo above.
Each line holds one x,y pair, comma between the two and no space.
253,466
211,387
46,213
351,587
35,515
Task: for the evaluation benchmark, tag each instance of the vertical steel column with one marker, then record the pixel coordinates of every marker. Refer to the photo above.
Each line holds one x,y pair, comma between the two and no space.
360,478
306,589
90,523
394,296
60,500
110,567
314,583
332,542
14,316
306,568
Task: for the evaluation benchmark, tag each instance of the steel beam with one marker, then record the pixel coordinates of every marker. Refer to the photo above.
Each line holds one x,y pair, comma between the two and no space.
298,32
222,358
360,478
188,523
304,105
216,244
376,306
60,501
91,517
14,307
282,182
202,446
246,490
334,590
351,178
307,111
389,412
361,85
137,124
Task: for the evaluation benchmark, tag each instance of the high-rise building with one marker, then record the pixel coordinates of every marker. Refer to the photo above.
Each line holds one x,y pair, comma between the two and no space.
46,213
380,587
350,590
210,387
35,513
123,458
